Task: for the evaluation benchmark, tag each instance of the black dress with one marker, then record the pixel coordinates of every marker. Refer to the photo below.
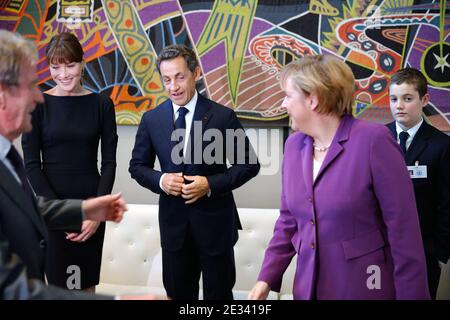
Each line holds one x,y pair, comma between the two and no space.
66,133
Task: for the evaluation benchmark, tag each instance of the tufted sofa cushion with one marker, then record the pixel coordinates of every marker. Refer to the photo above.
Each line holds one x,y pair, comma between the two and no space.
131,253
131,261
257,229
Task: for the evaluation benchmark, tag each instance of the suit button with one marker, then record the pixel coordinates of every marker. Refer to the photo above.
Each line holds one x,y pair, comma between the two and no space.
310,199
42,243
311,221
313,246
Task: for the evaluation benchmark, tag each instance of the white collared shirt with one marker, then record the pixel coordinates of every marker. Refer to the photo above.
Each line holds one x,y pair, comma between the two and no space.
5,145
316,168
411,131
189,117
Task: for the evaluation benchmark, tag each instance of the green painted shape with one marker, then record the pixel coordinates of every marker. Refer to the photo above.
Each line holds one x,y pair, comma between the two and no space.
33,8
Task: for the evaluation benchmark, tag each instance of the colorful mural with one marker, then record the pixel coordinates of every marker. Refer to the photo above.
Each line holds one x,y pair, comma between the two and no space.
242,45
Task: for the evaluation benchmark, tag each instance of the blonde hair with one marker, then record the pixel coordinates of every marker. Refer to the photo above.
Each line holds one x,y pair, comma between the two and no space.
325,76
14,50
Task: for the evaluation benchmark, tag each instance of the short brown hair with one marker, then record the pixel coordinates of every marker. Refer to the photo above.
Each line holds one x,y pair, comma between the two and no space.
327,77
411,76
64,48
178,50
14,50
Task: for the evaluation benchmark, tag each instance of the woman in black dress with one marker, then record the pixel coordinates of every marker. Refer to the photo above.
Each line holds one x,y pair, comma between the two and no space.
61,160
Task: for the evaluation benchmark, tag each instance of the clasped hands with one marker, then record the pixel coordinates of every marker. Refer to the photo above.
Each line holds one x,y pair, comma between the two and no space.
190,188
104,208
88,228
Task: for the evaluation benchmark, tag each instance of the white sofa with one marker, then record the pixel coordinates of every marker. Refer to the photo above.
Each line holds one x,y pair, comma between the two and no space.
131,261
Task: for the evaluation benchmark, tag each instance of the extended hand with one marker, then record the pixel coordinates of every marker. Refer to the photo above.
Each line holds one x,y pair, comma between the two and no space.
259,292
194,190
172,183
88,228
105,208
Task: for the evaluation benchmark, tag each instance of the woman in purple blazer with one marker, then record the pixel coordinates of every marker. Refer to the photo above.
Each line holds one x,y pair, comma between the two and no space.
347,205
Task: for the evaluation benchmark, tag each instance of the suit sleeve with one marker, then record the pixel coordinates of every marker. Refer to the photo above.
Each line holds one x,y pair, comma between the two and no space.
280,250
443,218
15,284
32,147
142,163
243,160
64,215
394,191
108,148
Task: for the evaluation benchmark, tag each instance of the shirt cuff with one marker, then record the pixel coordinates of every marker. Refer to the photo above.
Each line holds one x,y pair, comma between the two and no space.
160,183
83,214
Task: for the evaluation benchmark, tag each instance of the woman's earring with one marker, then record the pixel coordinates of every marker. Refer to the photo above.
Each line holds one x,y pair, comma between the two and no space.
82,75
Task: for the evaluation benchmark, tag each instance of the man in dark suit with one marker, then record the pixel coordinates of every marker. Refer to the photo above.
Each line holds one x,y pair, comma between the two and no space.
427,155
197,213
24,217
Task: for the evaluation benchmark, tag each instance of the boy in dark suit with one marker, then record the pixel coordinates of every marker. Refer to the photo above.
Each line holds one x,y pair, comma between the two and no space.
427,155
197,214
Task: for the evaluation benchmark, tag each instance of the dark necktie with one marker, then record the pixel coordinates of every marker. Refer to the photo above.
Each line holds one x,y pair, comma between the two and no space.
180,123
403,136
15,159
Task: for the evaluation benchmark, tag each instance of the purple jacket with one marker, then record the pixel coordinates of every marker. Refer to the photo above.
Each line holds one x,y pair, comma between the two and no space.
355,229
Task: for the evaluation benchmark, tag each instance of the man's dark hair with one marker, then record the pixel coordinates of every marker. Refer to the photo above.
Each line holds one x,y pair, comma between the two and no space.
178,50
411,76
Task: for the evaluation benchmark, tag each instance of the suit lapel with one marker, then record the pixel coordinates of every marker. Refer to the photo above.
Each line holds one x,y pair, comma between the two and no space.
202,115
27,205
418,144
307,163
167,124
165,131
336,148
393,129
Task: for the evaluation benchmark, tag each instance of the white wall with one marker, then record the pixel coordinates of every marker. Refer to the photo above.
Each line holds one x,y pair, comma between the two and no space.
263,191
